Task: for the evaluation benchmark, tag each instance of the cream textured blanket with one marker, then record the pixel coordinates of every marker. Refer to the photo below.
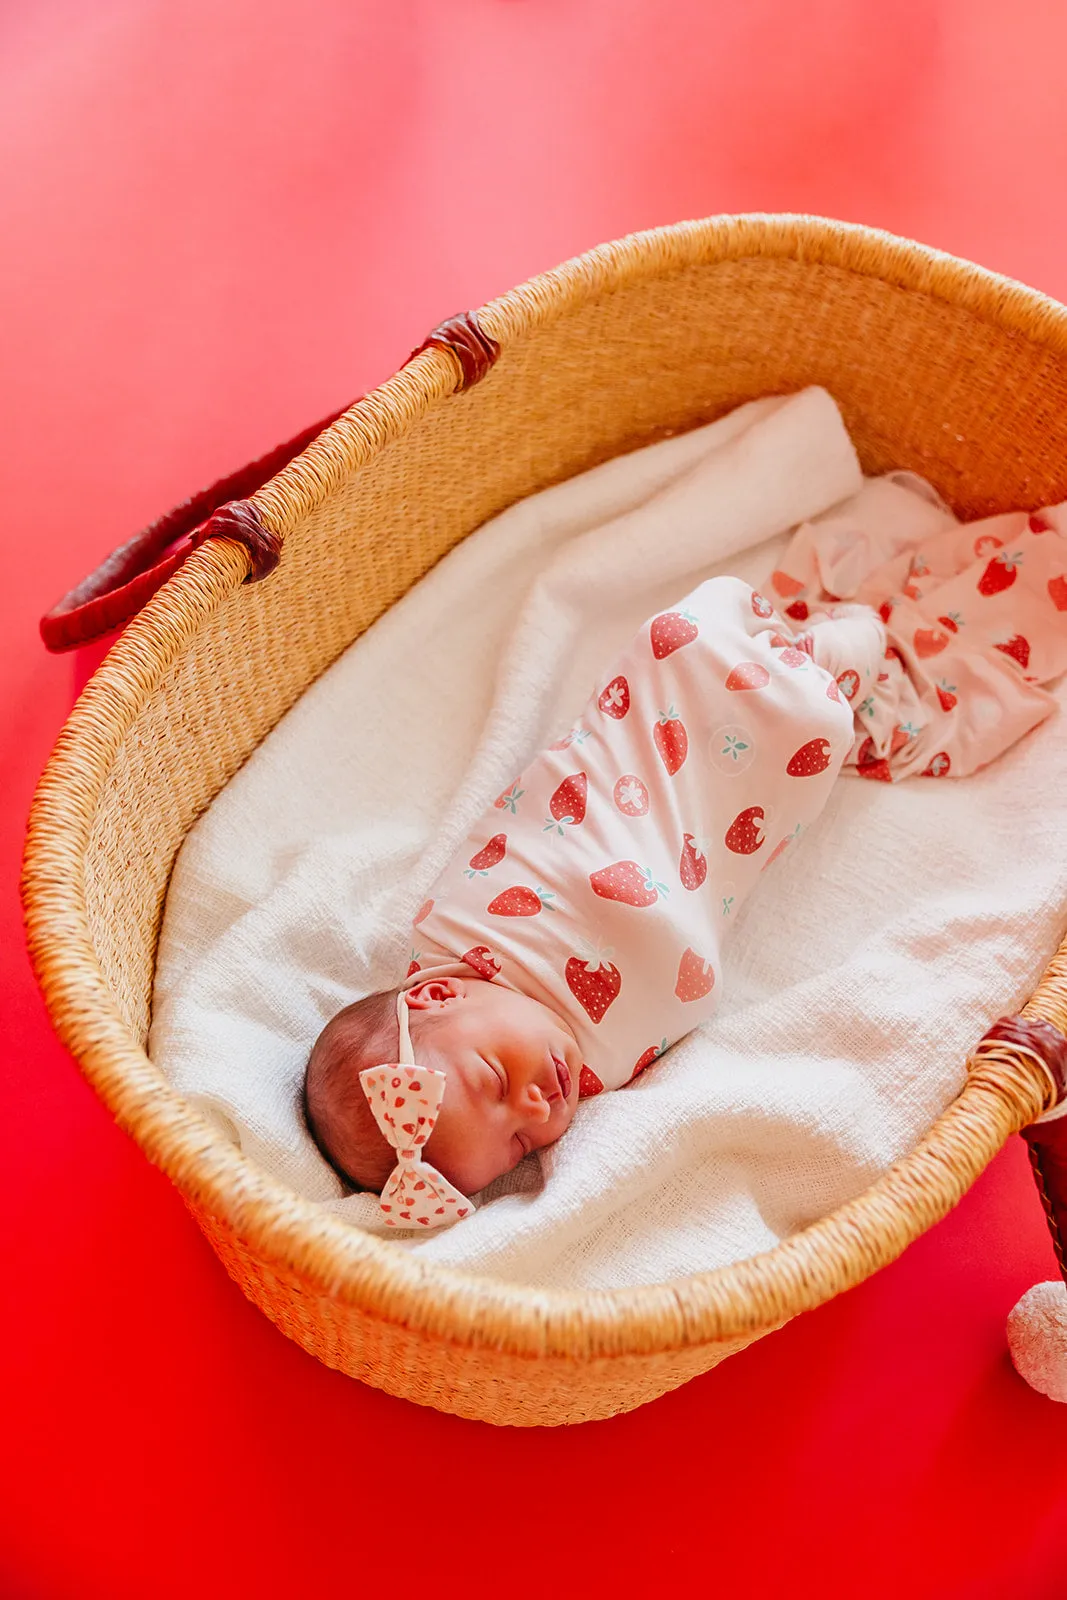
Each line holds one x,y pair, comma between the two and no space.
856,979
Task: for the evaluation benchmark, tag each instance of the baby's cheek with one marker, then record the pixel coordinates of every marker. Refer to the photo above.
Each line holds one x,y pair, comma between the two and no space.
559,1128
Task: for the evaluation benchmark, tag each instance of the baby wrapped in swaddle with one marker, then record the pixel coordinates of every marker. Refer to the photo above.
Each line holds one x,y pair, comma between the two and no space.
576,933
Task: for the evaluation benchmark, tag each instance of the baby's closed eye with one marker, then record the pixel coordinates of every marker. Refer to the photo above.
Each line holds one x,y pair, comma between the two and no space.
498,1086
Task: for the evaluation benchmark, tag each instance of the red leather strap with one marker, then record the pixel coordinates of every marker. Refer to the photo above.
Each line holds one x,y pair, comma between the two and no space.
1047,1142
130,575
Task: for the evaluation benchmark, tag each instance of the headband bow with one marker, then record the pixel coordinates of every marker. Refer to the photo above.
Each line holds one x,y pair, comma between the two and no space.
405,1099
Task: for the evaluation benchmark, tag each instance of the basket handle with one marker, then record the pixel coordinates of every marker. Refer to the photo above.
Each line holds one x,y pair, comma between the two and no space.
126,579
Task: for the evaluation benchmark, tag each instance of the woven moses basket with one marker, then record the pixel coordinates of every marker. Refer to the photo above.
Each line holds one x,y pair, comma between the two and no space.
937,365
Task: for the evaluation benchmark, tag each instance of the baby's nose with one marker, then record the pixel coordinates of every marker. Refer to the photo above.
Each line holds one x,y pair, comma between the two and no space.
535,1104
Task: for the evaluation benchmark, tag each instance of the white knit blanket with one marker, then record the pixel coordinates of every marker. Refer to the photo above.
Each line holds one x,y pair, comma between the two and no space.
856,978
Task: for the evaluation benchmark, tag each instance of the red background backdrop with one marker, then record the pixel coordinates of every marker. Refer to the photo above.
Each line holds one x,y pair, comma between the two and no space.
220,220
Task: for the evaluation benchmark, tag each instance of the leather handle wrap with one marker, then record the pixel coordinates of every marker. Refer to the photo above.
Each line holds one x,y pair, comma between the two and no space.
1038,1039
465,339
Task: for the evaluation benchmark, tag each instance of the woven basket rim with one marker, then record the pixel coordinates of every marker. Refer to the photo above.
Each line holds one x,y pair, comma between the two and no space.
335,1258
385,412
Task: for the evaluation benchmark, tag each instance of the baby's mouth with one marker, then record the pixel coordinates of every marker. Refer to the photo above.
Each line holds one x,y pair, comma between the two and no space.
563,1077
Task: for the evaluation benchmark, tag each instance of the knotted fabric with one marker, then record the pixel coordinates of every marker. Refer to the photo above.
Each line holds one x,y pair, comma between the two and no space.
406,1099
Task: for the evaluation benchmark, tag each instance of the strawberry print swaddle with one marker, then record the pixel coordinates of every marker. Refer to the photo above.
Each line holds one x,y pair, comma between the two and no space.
975,617
602,881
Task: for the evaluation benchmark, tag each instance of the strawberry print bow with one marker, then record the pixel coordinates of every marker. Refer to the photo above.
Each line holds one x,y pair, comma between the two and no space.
405,1101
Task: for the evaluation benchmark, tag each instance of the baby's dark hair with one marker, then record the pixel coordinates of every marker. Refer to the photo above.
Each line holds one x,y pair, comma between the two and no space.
339,1119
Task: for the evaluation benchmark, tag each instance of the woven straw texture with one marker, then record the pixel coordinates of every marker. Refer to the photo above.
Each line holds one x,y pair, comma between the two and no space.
937,366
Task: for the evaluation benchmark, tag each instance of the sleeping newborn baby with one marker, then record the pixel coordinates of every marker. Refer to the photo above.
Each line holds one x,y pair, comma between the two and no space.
576,934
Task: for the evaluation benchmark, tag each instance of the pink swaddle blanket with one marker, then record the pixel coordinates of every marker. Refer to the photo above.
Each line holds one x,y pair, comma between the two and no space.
976,620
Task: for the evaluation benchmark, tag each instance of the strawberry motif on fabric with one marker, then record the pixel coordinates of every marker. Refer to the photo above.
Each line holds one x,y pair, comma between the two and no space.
748,675
567,805
627,882
631,795
733,749
481,960
614,701
747,832
646,1058
696,977
490,855
782,844
574,736
593,980
588,1083
671,631
509,799
405,1101
520,901
811,758
671,740
693,863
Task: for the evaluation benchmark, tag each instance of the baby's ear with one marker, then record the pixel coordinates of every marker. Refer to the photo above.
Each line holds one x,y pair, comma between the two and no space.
435,993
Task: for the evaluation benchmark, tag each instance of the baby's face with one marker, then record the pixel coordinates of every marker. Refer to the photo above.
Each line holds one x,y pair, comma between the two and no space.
512,1066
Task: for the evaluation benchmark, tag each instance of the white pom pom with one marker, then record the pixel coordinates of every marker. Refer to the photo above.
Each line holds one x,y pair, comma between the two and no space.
1037,1338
